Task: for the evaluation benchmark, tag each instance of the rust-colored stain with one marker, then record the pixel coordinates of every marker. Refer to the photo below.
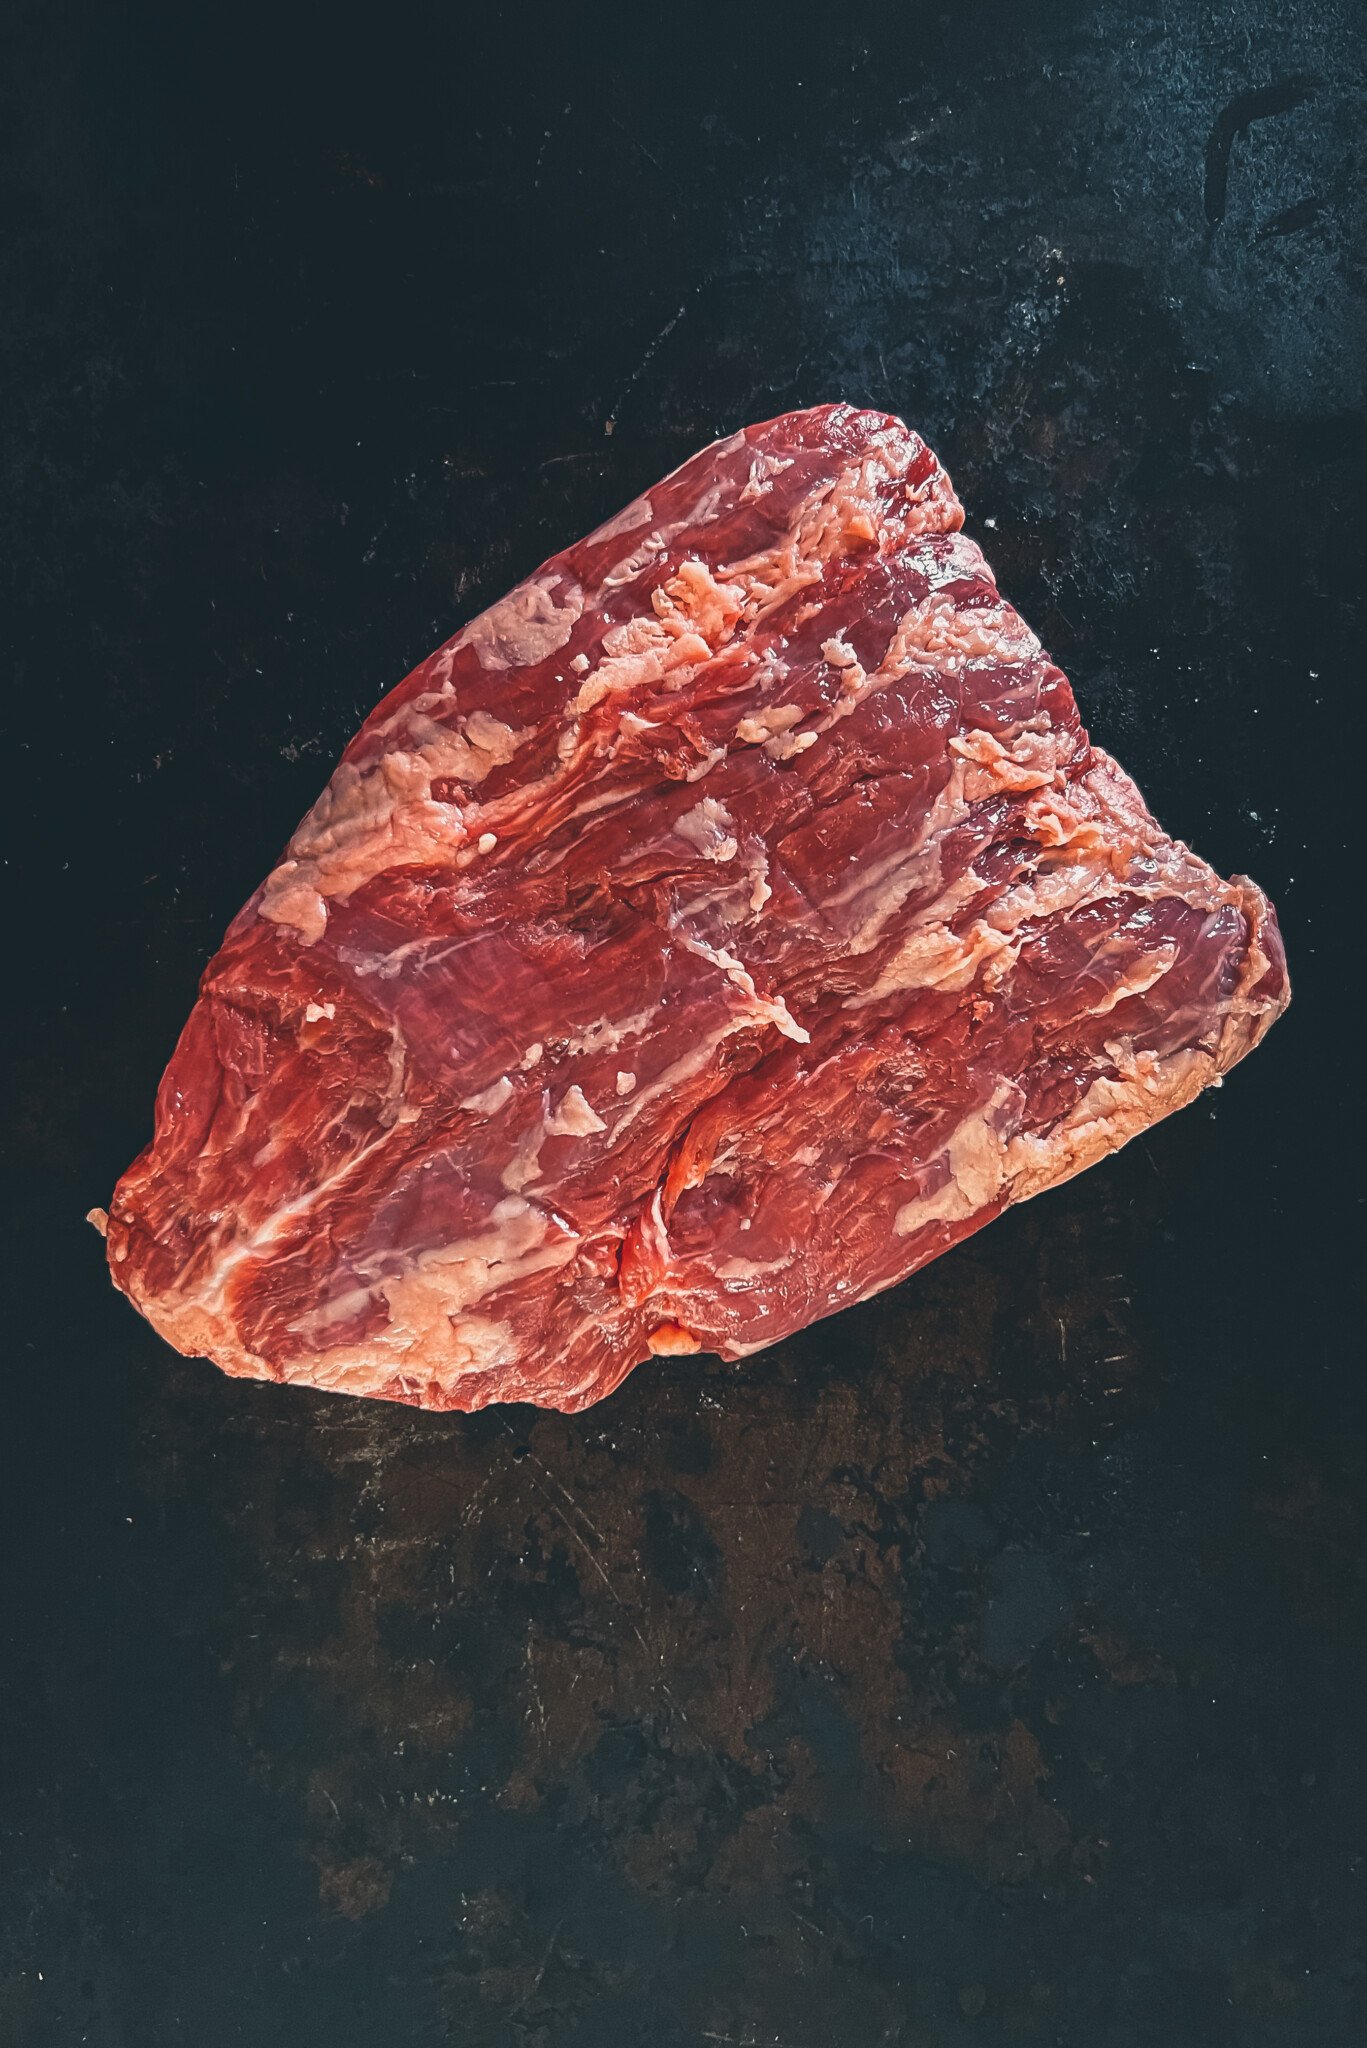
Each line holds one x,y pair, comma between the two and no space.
355,1889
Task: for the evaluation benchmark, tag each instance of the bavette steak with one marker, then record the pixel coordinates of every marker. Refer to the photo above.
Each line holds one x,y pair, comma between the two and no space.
722,925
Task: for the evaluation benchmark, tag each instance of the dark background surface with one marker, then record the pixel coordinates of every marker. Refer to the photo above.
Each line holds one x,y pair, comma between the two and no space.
986,1666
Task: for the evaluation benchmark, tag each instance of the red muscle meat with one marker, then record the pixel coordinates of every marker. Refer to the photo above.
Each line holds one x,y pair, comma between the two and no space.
724,924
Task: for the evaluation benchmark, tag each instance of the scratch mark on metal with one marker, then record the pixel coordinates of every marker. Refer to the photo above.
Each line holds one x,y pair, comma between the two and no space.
611,421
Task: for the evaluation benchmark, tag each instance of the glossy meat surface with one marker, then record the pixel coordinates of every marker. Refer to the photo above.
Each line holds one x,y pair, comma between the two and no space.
720,927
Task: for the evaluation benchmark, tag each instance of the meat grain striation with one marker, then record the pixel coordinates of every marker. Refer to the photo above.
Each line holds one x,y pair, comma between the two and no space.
724,924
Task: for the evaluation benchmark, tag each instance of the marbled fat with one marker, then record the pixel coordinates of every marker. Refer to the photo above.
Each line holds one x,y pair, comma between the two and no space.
724,924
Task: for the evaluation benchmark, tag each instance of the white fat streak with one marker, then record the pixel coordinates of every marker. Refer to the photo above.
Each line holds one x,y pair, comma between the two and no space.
932,633
574,1116
761,1009
635,564
981,767
976,1159
609,1032
885,885
532,622
636,655
379,815
1140,977
637,514
491,1099
763,470
735,897
794,743
1030,760
524,1166
823,525
759,727
465,1344
941,633
207,1293
932,956
708,829
706,764
430,1331
673,1077
740,1275
987,1166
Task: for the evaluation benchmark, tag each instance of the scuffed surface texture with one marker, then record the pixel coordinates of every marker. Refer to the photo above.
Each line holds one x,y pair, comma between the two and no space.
719,927
984,1667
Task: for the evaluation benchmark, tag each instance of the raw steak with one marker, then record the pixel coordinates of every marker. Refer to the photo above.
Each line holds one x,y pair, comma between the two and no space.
721,926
